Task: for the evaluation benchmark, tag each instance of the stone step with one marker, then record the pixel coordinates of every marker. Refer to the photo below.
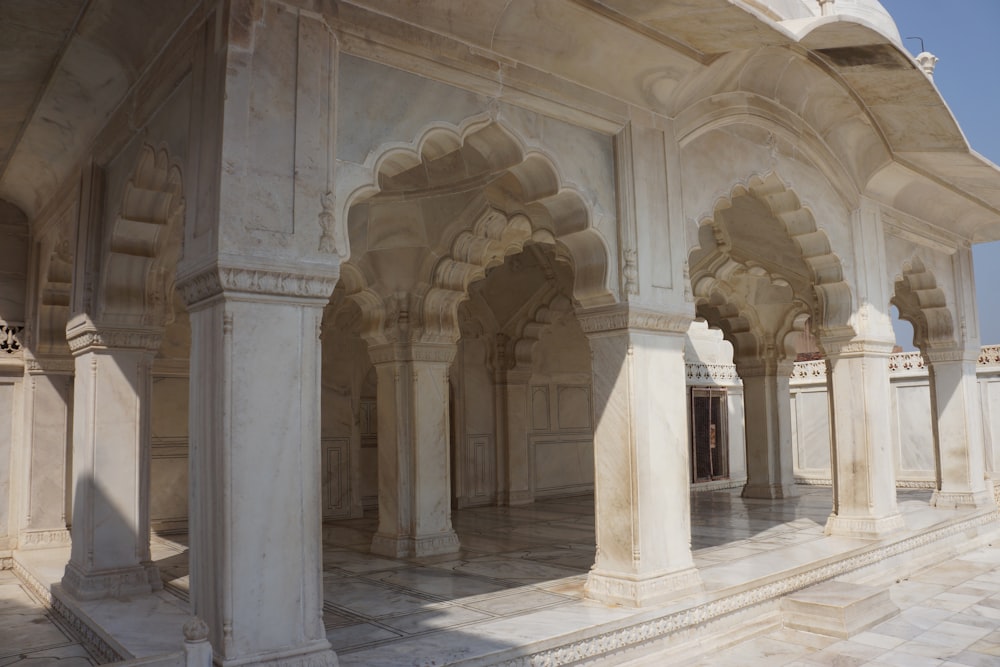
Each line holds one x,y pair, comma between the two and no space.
837,608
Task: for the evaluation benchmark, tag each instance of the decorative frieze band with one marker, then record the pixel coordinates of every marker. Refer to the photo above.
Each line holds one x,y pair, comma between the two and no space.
623,317
218,280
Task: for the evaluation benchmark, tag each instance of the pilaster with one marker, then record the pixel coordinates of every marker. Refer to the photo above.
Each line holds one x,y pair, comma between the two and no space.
864,481
413,450
512,389
48,420
770,471
641,495
959,447
255,524
111,393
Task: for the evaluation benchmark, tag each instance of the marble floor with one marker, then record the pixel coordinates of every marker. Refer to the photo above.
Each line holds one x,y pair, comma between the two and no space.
32,635
949,617
519,581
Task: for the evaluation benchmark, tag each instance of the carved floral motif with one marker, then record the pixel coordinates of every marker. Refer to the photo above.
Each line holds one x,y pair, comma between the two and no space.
9,342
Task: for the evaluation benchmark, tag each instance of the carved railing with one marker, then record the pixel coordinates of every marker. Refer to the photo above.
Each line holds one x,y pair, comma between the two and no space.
723,374
989,355
907,362
903,363
809,370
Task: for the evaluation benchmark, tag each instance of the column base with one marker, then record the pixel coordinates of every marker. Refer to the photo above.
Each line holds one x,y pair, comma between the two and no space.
43,539
868,528
640,591
314,654
138,580
415,547
959,499
767,491
514,498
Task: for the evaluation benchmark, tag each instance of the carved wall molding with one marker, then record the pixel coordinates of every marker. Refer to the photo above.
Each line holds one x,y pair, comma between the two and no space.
43,538
624,317
215,281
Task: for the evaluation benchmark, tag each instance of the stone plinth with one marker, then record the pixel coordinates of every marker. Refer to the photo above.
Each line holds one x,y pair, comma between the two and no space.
837,609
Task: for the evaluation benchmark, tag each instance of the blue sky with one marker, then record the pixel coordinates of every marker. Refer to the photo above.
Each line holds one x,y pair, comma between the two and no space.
964,34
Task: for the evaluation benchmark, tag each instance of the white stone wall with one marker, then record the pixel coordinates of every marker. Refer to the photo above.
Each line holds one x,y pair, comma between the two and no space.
912,432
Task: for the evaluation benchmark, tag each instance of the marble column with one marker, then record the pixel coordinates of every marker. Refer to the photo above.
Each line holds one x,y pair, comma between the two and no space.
864,479
642,464
111,409
48,419
255,524
768,413
414,490
959,447
512,419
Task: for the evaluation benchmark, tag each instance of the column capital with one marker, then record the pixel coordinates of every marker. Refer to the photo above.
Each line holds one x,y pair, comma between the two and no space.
624,317
83,334
204,284
764,366
840,348
442,353
952,354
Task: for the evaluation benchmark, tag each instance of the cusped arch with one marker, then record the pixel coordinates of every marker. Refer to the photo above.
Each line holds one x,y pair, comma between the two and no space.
833,301
144,242
523,200
923,304
531,333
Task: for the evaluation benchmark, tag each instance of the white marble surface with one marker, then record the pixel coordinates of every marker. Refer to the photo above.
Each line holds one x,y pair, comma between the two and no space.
497,595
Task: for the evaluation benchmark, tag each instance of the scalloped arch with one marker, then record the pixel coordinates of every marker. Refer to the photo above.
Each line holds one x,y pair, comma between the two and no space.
525,201
924,305
540,320
833,297
144,242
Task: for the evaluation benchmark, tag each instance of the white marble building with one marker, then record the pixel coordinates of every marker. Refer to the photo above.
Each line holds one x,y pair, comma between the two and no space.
270,263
